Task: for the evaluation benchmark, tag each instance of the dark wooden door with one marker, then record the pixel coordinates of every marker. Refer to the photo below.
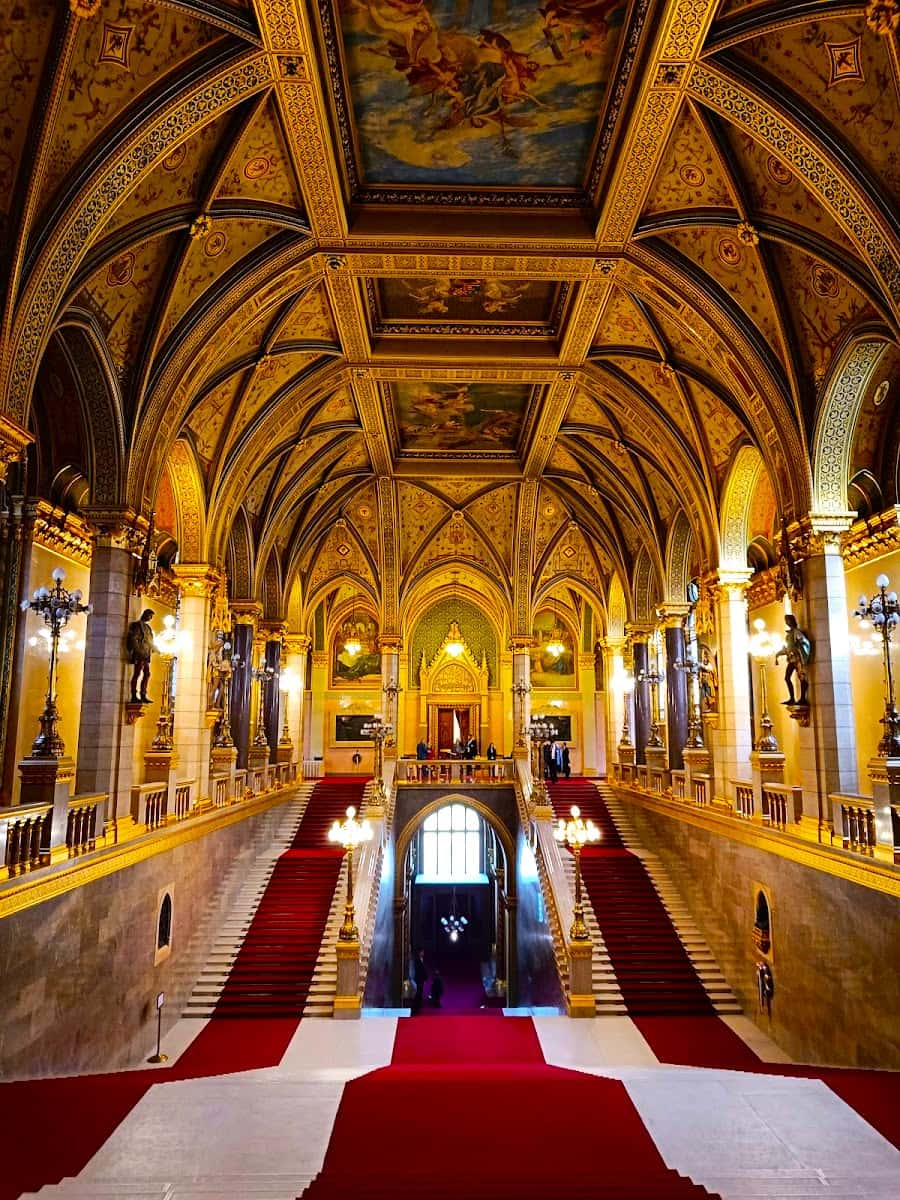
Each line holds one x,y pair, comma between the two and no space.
445,727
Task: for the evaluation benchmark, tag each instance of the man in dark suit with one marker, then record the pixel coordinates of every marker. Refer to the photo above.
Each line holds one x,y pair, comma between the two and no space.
420,974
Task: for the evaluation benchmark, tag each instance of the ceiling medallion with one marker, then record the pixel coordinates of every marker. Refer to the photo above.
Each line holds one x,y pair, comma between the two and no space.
120,270
255,168
692,175
214,244
778,172
200,226
175,158
116,45
825,282
343,549
729,252
844,62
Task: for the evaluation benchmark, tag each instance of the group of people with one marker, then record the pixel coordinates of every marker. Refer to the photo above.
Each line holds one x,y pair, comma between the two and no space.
556,761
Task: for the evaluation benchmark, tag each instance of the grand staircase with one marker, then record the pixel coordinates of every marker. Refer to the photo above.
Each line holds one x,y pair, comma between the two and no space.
649,957
265,960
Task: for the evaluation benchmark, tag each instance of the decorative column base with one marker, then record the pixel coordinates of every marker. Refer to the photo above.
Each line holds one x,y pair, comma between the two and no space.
159,765
884,776
347,1000
257,756
284,752
580,1000
49,781
767,766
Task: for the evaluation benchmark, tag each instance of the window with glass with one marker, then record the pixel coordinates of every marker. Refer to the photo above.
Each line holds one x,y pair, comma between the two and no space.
452,844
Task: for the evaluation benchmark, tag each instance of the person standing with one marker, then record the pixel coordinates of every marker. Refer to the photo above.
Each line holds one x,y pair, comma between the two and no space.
553,764
420,974
140,649
566,762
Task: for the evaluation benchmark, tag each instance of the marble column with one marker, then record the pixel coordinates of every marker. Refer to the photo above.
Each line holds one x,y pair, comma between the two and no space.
677,711
390,692
521,683
105,740
271,696
197,582
296,646
15,572
318,734
614,669
642,699
589,748
735,733
243,628
828,743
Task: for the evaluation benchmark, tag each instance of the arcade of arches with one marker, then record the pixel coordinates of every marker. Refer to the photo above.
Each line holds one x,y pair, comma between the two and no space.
446,370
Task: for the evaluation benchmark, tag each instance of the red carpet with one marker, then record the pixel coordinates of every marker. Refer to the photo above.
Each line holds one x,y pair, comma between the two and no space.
268,983
654,973
450,1119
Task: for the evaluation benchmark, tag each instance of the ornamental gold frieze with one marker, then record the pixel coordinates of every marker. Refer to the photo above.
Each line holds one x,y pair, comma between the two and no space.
280,24
89,211
441,372
545,420
866,541
14,442
64,533
838,191
482,266
766,587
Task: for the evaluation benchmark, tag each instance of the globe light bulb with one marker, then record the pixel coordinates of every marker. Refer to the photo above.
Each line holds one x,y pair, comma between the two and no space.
882,581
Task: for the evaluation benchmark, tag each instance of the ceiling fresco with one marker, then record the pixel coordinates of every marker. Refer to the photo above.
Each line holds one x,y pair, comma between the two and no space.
453,418
456,307
501,284
476,93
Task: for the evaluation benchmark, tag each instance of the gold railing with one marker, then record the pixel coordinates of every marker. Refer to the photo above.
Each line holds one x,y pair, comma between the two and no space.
782,805
81,825
448,772
27,838
857,823
744,805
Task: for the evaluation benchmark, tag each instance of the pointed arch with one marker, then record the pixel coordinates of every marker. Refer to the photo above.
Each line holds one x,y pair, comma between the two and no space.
678,558
645,592
735,519
836,423
190,501
617,609
239,558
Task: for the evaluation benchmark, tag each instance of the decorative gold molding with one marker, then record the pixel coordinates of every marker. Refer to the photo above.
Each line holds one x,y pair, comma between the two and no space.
63,533
14,441
872,538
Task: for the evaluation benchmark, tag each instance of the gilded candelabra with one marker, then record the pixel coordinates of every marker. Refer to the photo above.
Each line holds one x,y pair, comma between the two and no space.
692,670
378,730
577,833
520,690
167,642
540,731
883,611
349,833
55,605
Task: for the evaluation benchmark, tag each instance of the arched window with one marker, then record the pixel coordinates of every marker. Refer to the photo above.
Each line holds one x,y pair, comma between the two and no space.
164,926
453,844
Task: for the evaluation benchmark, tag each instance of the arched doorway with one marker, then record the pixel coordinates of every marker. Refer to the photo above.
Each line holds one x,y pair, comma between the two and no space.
453,901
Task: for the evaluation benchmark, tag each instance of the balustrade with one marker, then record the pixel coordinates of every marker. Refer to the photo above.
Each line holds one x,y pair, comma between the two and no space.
240,786
150,804
450,771
781,804
27,833
701,790
183,799
858,824
220,793
81,826
679,784
743,799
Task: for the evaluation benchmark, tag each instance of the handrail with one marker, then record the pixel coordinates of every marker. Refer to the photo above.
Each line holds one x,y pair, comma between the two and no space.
451,771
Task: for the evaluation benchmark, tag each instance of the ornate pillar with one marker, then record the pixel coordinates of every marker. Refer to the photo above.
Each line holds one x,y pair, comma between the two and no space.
828,741
244,615
589,755
318,685
296,646
614,670
638,635
271,696
677,714
105,739
14,441
735,734
521,693
390,691
197,583
15,571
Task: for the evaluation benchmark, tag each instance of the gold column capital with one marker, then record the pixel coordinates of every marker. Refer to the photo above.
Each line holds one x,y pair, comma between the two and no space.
198,579
390,643
672,615
14,441
246,612
118,527
297,643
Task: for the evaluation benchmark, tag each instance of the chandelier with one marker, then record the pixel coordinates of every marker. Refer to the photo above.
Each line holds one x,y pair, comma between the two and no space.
453,924
556,645
454,646
350,634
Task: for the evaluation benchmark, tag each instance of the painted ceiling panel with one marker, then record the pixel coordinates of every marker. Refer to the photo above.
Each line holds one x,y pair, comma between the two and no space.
495,516
116,58
690,174
208,419
311,319
260,167
25,31
623,324
844,70
420,512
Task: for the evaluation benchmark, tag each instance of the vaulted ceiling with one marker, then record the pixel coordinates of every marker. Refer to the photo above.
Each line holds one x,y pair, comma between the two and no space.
431,282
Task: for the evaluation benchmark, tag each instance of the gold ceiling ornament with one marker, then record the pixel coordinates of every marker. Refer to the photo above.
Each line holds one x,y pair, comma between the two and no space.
556,644
747,234
200,226
84,9
351,632
883,17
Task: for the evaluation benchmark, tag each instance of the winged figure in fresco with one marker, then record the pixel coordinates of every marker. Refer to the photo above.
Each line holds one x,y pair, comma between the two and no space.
493,295
584,19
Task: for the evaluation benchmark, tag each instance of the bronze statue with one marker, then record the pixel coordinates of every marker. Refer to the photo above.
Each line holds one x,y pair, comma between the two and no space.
797,650
140,648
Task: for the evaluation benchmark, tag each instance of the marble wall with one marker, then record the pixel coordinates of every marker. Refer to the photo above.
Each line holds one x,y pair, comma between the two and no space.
835,944
78,980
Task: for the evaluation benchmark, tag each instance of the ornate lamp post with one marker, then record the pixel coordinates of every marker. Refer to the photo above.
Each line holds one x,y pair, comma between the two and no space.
540,731
762,646
168,642
56,605
692,669
378,730
261,675
349,833
576,834
225,668
391,691
520,690
624,684
883,611
288,682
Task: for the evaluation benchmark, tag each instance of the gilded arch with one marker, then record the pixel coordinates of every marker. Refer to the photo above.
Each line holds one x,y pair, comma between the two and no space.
735,528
